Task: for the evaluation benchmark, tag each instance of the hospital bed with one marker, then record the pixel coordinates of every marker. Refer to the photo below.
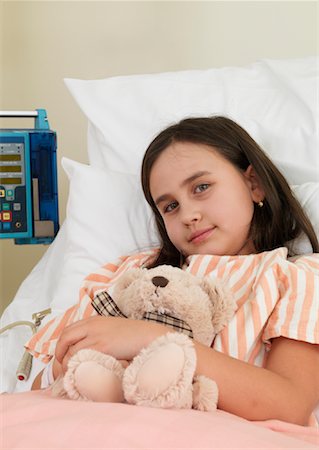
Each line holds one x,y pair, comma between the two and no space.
277,102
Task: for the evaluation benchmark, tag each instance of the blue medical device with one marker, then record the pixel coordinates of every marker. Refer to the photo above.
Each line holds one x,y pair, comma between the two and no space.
28,181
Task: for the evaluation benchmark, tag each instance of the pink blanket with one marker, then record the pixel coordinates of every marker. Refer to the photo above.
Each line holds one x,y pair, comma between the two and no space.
36,420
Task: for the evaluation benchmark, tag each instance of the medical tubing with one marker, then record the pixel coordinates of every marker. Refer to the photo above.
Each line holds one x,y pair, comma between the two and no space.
25,364
16,324
24,367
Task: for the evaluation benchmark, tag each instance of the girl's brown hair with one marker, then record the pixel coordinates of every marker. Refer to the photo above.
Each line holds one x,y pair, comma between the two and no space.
279,221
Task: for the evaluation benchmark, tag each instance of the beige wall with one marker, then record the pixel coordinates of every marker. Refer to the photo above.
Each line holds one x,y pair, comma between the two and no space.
43,42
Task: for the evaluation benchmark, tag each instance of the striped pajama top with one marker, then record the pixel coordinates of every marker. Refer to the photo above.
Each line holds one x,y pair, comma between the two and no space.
275,296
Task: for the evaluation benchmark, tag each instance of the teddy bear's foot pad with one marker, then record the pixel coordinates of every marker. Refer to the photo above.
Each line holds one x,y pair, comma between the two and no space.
161,376
103,372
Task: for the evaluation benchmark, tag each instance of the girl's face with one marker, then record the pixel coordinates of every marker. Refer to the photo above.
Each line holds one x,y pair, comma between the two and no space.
206,203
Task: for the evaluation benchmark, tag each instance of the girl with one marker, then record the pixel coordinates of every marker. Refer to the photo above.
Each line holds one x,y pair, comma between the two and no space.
222,208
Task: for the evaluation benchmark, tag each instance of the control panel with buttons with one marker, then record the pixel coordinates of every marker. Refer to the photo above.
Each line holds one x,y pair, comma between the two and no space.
15,186
28,181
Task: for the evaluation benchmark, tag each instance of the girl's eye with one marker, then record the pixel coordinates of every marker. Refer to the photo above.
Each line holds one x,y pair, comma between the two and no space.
201,187
170,207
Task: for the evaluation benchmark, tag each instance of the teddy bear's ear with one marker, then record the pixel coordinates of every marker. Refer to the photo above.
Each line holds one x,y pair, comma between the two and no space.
223,302
127,278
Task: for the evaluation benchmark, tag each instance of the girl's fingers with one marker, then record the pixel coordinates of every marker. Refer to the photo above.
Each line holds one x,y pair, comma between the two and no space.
70,336
119,337
124,363
72,350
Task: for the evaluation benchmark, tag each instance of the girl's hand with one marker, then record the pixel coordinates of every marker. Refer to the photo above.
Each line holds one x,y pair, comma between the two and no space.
121,338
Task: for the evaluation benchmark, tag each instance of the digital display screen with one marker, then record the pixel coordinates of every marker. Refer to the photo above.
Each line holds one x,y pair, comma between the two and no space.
15,180
10,169
8,157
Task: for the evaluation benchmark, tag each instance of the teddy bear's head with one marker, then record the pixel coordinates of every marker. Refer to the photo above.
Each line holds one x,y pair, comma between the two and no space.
203,303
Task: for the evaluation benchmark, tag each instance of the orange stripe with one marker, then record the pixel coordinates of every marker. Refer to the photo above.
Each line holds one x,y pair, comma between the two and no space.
256,313
264,284
122,268
118,270
211,265
241,339
88,311
240,301
111,267
63,323
310,263
243,280
45,347
36,337
241,336
255,352
266,265
224,340
221,271
256,318
238,264
98,277
96,288
75,314
269,295
281,277
93,289
291,300
196,265
82,293
306,308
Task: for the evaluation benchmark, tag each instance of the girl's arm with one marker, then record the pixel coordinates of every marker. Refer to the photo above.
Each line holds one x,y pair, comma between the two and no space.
286,389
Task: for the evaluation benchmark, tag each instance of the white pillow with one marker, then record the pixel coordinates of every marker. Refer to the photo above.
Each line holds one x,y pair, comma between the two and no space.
308,196
107,216
275,101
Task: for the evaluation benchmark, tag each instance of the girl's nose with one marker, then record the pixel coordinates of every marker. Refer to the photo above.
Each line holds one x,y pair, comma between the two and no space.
192,216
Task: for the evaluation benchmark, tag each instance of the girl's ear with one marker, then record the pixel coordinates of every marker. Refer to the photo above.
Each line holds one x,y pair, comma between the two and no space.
256,189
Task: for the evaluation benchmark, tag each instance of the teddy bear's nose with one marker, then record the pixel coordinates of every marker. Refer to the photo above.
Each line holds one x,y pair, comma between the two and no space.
160,281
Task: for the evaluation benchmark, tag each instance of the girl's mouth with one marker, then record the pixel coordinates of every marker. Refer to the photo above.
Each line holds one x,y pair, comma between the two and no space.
201,235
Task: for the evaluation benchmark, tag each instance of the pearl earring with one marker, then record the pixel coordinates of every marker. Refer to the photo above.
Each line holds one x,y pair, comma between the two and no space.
260,204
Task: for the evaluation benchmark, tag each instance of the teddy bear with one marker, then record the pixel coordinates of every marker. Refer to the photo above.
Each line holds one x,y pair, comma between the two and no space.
162,374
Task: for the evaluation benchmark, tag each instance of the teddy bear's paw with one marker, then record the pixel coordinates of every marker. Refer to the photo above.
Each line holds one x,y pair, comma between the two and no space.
162,374
57,388
94,376
205,394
